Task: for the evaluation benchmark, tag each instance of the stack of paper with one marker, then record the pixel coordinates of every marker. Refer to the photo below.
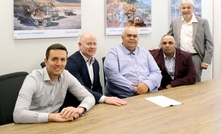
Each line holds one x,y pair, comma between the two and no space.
163,101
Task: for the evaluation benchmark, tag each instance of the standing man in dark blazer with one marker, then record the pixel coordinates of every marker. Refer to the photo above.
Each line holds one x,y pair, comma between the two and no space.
176,66
193,35
85,68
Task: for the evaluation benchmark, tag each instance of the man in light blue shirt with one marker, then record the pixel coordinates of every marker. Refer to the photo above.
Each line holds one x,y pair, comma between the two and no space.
129,69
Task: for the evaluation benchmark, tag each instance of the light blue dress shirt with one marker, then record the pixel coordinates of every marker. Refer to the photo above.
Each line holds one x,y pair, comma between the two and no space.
170,65
124,68
38,96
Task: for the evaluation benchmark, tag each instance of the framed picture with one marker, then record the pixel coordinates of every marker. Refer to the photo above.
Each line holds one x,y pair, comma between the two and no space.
122,13
46,19
175,11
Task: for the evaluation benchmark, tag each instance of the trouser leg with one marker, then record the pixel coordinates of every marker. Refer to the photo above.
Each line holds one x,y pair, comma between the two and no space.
197,62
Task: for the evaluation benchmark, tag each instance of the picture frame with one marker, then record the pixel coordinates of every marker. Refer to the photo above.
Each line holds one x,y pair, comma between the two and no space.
123,13
46,19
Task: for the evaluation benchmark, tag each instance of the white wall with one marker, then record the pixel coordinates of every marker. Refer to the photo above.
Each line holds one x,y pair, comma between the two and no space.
207,12
217,38
18,55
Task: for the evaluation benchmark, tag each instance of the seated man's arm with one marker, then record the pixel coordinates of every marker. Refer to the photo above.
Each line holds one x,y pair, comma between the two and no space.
153,80
21,113
81,93
209,45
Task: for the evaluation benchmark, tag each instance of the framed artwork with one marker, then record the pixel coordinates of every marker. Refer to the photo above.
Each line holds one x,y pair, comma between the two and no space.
122,13
47,18
175,11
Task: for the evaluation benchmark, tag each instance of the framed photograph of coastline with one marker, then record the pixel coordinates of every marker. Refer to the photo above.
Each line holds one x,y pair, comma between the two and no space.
122,13
175,11
47,19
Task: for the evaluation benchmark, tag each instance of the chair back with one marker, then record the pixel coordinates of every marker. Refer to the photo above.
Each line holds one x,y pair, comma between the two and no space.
103,59
10,85
42,64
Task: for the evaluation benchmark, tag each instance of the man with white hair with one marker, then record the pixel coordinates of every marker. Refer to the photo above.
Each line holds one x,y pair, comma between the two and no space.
192,34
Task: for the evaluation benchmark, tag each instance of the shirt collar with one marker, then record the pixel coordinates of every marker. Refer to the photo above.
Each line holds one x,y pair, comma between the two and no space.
174,56
126,51
46,76
193,19
86,59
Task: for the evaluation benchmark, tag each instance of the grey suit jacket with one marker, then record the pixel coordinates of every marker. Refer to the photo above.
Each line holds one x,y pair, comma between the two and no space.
203,41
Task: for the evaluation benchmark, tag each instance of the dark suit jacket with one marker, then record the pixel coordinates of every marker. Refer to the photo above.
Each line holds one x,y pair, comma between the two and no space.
76,65
184,68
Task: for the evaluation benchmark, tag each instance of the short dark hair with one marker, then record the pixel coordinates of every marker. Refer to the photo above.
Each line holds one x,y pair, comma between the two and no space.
54,47
167,35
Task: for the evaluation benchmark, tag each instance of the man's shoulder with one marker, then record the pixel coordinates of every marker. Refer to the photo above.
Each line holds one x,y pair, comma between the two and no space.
142,50
66,74
117,46
75,58
181,52
177,19
155,51
116,49
38,74
74,55
200,18
95,60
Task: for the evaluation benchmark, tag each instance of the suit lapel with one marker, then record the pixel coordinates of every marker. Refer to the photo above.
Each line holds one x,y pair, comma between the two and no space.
95,71
162,63
83,63
178,62
195,26
179,24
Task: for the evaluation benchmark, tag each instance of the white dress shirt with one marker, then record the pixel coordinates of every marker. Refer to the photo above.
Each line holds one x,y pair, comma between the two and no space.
91,73
186,35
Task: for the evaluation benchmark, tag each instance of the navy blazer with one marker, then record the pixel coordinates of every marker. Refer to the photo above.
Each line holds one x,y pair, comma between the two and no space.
76,65
185,72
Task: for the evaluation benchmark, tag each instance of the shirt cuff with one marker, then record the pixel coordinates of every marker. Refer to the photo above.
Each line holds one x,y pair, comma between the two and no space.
206,63
102,99
43,117
132,88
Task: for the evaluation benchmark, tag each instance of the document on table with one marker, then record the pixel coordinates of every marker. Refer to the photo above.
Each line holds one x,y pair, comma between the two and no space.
163,101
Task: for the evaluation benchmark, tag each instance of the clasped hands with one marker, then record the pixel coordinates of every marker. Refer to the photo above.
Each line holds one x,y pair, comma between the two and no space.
67,114
141,88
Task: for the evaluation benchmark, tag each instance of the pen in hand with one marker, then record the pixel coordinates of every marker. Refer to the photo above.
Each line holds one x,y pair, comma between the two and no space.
80,115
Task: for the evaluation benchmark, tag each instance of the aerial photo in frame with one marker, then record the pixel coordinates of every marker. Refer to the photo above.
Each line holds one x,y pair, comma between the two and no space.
122,13
46,18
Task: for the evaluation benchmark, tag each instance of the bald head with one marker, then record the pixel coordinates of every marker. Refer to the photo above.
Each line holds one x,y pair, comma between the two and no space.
86,35
87,44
